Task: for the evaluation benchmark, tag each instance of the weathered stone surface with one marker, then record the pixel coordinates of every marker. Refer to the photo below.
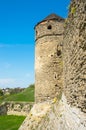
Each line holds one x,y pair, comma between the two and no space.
54,116
63,117
36,116
3,109
74,55
16,108
48,60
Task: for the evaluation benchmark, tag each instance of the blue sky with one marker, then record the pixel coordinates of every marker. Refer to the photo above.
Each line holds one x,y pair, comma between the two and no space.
17,45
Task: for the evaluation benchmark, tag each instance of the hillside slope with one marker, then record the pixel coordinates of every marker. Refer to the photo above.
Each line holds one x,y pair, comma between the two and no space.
27,95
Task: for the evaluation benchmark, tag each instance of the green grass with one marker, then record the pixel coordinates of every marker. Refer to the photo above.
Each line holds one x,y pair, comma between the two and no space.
11,122
26,96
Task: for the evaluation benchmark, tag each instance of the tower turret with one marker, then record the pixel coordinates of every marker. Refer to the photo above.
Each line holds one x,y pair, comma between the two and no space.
48,58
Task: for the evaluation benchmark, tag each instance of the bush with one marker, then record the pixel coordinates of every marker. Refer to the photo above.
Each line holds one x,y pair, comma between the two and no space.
1,92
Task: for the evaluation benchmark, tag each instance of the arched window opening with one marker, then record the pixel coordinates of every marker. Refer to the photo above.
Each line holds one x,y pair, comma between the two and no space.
49,27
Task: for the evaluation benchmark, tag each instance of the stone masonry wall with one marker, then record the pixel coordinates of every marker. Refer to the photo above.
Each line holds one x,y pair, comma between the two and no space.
63,117
55,29
3,109
15,108
54,115
48,60
74,55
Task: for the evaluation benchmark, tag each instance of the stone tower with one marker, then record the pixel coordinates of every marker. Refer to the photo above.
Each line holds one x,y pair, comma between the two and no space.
48,58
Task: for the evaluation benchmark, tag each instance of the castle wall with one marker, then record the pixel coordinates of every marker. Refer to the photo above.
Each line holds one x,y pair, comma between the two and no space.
15,108
74,52
48,60
54,116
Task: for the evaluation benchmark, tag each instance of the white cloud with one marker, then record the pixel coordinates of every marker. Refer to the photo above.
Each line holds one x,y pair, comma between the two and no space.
12,83
6,81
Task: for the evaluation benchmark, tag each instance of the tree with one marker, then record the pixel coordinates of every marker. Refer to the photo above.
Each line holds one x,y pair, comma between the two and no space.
1,92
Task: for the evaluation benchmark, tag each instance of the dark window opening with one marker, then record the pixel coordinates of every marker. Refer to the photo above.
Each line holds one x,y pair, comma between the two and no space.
49,27
56,85
36,32
58,52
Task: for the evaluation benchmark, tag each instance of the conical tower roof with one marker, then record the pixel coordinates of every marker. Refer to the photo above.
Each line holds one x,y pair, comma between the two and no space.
52,17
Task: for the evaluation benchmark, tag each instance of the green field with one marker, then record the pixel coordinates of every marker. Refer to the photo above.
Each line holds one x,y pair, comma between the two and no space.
11,122
27,95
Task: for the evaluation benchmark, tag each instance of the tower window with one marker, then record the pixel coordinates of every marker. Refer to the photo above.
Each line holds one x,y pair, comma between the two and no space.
49,27
58,52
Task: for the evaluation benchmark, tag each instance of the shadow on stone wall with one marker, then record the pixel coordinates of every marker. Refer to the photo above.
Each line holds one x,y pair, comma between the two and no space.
3,109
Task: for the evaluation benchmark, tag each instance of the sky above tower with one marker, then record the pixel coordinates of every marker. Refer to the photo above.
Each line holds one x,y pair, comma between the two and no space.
17,44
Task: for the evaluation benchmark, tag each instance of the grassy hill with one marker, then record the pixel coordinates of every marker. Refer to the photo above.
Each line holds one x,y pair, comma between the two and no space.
10,122
27,95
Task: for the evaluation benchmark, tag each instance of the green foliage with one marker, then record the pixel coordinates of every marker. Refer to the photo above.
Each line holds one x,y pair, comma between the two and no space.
1,92
73,10
26,95
10,122
16,90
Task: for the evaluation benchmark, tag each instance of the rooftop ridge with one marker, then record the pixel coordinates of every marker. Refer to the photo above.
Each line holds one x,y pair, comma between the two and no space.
52,16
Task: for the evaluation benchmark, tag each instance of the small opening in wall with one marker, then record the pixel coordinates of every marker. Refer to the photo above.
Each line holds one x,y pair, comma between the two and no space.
51,55
55,76
58,52
56,85
36,32
85,8
49,27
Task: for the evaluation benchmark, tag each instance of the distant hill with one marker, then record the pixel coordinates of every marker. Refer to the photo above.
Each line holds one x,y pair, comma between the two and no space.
27,95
